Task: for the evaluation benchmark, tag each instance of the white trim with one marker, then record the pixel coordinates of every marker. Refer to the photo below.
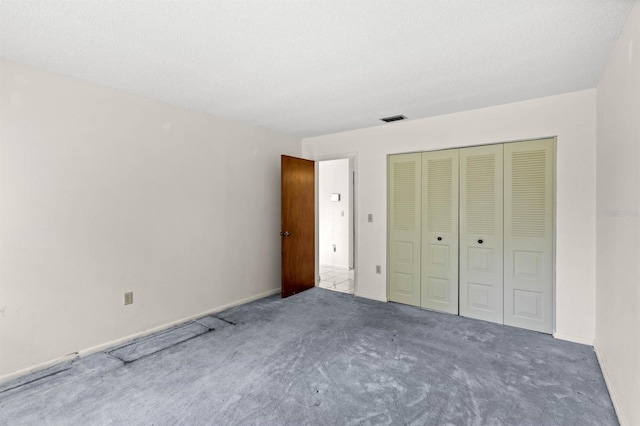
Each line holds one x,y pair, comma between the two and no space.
612,393
346,268
575,339
39,367
341,267
117,342
371,296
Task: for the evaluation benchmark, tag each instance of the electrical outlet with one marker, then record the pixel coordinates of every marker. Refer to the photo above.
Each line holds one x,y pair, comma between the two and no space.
370,217
128,298
378,269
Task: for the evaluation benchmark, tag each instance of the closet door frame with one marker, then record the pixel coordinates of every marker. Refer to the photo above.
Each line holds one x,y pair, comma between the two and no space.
554,219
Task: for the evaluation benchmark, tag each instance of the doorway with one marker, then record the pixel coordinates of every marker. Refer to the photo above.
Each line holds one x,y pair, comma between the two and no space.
336,230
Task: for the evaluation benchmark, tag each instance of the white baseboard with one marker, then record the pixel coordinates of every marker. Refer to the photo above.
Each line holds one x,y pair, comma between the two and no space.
371,296
38,367
117,342
575,339
612,392
345,267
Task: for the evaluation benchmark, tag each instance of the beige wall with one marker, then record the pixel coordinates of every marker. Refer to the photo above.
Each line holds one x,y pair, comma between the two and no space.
570,117
618,223
103,192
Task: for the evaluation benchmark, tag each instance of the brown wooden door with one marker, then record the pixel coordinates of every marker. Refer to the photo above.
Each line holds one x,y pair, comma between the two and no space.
298,225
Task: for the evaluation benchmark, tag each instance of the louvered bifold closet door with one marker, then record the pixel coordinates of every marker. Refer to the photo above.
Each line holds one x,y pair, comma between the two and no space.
439,269
404,228
481,227
528,234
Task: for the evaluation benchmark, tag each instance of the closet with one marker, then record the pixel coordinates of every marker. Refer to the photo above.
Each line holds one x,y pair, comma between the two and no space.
470,232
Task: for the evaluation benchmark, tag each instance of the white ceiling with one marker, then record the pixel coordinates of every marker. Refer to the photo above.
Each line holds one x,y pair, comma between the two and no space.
310,68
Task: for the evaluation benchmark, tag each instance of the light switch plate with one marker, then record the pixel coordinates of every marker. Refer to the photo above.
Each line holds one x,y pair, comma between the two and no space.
128,298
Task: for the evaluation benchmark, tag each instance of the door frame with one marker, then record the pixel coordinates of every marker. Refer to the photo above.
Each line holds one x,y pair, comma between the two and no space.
555,207
353,168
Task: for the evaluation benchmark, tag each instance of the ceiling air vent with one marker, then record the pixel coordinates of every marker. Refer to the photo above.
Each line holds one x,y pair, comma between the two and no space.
393,118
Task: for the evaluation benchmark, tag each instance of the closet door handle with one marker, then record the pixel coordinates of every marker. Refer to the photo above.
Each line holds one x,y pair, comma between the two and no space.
439,238
480,241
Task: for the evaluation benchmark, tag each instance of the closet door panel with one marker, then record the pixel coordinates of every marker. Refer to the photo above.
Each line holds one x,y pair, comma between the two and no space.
481,233
404,228
439,269
528,234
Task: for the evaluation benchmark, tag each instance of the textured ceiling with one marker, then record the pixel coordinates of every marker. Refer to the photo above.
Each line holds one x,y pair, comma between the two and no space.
309,68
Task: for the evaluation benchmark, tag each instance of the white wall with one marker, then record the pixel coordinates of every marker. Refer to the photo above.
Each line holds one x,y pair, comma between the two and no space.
570,117
334,216
618,223
103,192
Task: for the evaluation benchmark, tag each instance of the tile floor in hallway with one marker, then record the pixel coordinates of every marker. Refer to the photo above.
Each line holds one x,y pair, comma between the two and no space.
338,279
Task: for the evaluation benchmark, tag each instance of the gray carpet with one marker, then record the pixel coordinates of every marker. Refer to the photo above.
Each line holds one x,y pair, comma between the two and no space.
328,358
